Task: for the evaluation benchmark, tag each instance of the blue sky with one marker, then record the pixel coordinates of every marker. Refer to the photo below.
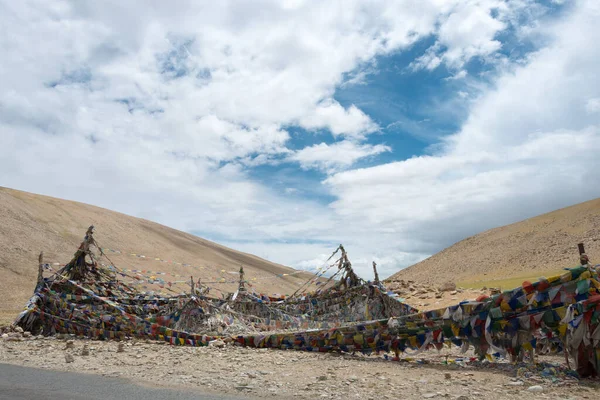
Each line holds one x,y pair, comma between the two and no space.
283,128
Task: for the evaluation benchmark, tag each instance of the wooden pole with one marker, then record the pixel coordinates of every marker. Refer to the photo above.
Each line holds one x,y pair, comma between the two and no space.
40,267
375,272
581,248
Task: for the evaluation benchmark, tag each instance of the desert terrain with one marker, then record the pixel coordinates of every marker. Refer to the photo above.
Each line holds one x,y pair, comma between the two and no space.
507,255
31,223
278,374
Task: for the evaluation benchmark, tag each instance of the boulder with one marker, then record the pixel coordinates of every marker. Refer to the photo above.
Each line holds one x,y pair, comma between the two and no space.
216,343
448,287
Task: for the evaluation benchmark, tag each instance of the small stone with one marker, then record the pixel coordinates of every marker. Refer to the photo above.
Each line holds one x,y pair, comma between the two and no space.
18,329
70,344
429,395
69,358
322,378
447,375
448,287
121,347
515,383
535,388
85,351
216,343
26,334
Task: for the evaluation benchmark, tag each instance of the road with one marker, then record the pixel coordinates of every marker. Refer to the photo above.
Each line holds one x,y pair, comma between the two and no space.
32,383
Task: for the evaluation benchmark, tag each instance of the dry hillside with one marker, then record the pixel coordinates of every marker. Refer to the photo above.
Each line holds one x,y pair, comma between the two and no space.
31,223
535,247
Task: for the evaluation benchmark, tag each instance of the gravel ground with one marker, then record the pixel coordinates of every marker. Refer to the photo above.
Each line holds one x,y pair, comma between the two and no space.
263,373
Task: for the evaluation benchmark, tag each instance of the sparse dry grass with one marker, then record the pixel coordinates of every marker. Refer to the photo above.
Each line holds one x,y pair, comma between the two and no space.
507,283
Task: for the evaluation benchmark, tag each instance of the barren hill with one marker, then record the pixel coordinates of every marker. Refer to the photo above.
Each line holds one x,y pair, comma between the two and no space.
535,247
31,223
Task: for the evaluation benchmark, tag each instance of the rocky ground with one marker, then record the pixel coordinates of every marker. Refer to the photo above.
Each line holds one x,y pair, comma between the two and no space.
425,296
262,373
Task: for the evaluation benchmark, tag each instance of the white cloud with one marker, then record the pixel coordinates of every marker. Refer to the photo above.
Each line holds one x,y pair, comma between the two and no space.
339,155
330,114
163,111
527,147
469,29
593,105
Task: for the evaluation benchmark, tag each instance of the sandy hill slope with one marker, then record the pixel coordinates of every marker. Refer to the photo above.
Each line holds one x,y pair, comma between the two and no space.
532,248
31,223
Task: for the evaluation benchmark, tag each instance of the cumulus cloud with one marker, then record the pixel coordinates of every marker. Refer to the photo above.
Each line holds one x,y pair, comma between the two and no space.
339,155
164,111
350,122
526,148
469,29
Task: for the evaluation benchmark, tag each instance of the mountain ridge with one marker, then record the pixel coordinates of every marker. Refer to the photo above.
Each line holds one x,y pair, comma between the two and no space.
30,223
533,247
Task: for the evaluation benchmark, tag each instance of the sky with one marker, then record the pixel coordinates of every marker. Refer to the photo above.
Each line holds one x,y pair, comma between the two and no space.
284,128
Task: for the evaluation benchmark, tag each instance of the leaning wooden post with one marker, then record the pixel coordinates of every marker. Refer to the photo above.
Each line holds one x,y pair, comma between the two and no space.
40,277
581,248
375,272
192,283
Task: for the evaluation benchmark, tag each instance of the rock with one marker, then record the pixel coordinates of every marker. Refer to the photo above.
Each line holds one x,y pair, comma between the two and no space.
447,375
322,378
121,347
18,329
85,351
216,343
454,292
535,388
429,395
448,287
69,358
70,344
26,334
515,383
5,336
